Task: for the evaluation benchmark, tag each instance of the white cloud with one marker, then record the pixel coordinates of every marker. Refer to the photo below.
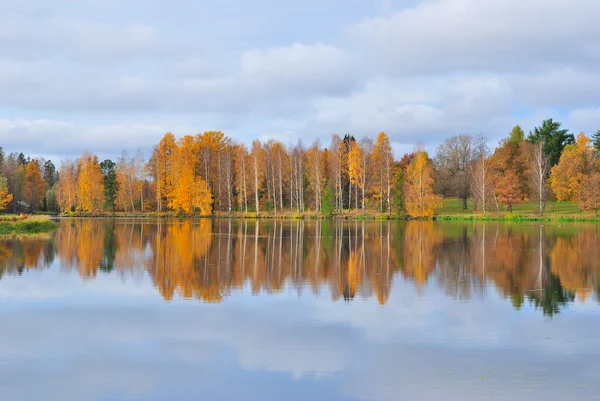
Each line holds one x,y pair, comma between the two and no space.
497,35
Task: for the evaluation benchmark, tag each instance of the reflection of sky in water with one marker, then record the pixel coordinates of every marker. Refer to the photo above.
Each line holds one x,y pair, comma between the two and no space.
65,337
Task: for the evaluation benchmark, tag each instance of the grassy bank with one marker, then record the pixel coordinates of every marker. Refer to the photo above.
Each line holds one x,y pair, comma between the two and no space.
451,210
23,224
526,211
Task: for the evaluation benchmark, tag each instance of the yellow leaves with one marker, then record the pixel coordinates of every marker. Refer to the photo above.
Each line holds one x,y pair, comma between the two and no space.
189,192
5,197
66,188
89,183
577,162
355,169
420,200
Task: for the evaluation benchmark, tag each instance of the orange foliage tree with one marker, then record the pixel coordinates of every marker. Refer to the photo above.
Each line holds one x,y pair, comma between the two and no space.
34,187
509,168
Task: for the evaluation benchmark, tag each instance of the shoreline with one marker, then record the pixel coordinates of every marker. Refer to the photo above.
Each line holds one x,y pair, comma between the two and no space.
348,216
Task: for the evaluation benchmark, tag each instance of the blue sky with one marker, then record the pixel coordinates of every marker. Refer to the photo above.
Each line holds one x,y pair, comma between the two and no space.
110,75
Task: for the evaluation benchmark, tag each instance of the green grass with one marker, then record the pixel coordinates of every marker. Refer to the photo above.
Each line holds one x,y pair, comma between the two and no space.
17,225
526,211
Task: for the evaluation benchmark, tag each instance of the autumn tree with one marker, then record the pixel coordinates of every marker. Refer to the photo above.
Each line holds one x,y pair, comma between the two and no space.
590,194
257,160
509,169
190,191
454,159
577,163
297,172
89,183
420,199
316,173
5,196
383,160
211,146
34,188
355,170
161,169
125,170
337,167
241,171
66,187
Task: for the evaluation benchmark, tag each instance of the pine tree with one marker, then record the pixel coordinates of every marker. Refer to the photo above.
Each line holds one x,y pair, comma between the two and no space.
398,201
596,140
111,184
328,201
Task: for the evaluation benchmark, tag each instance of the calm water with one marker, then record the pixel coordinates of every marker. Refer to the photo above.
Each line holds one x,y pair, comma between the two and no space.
269,311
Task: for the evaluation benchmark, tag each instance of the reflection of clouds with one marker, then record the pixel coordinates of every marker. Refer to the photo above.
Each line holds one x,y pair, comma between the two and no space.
112,339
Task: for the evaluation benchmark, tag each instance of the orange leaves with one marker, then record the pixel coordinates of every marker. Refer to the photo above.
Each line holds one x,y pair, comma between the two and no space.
34,186
420,200
509,167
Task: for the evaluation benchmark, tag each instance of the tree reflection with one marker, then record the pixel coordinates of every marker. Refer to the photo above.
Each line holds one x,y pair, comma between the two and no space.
545,266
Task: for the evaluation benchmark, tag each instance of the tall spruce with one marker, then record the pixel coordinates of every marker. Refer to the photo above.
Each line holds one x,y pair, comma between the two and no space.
111,184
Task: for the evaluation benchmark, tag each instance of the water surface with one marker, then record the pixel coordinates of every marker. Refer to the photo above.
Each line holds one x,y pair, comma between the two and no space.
294,310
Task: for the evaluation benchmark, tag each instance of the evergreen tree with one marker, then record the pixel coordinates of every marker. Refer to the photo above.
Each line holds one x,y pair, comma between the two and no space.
328,201
111,184
398,201
50,173
596,140
555,139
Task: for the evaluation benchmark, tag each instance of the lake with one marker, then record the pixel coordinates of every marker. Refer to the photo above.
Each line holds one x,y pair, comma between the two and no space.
301,310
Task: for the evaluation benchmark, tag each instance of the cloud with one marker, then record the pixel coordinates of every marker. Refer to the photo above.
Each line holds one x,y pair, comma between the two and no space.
297,68
417,109
420,70
446,36
586,120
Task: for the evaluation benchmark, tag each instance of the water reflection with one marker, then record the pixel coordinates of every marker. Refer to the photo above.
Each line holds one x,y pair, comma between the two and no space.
548,266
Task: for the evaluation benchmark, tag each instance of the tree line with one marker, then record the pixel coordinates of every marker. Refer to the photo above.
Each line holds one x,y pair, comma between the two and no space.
209,173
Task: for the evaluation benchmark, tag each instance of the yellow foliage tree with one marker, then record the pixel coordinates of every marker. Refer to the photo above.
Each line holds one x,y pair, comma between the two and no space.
576,164
383,162
90,183
355,168
5,197
420,200
66,188
189,191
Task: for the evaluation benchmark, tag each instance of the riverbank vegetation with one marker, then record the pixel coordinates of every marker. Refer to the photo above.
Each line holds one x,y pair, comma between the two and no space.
208,174
23,224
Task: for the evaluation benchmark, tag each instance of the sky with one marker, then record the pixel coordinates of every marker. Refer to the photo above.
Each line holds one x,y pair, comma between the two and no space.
112,75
